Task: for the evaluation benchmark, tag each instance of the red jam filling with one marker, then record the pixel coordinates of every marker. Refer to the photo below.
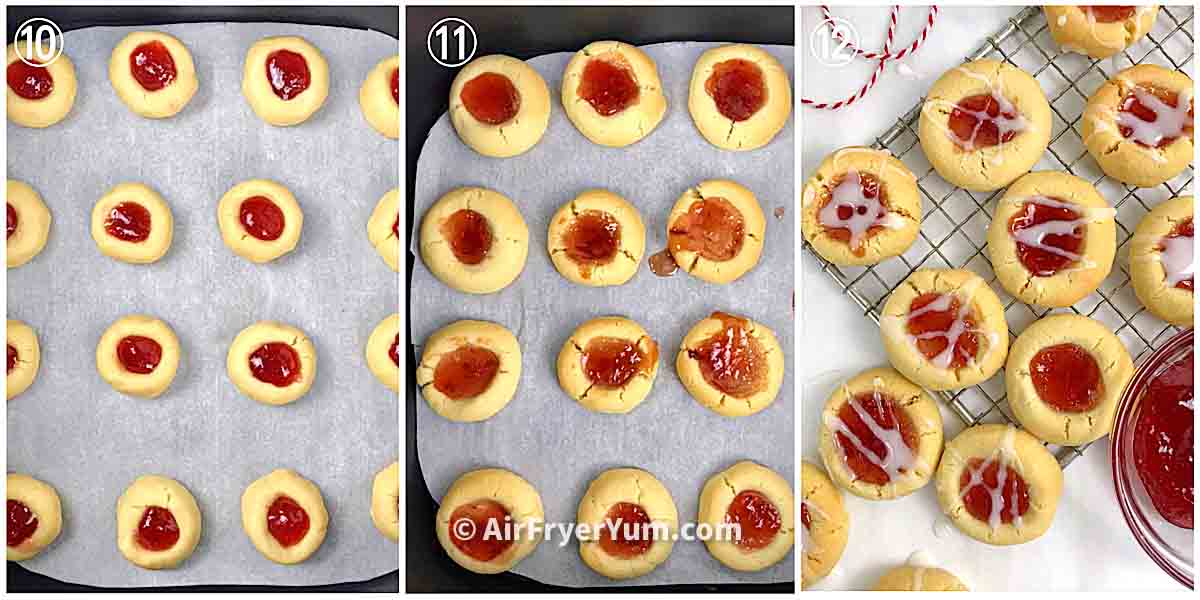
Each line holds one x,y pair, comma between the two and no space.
1111,14
475,540
21,523
627,531
12,220
1041,261
261,218
287,72
491,98
1014,496
157,529
128,222
608,85
287,521
396,228
732,360
974,122
872,189
927,324
593,238
612,362
1132,105
396,85
1067,378
1164,442
12,358
1183,229
275,363
881,408
465,372
712,227
805,518
738,88
757,518
152,66
469,236
29,82
394,351
139,354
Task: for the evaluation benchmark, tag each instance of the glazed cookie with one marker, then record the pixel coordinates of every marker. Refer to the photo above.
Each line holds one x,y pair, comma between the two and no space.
1052,239
716,231
260,220
633,522
608,365
383,352
860,207
731,365
490,498
469,370
34,516
760,503
383,228
385,502
1160,261
908,578
825,524
984,124
272,363
999,484
379,97
1065,376
499,106
1099,31
611,93
881,435
740,97
597,239
474,240
153,74
944,329
1138,125
138,355
285,80
24,357
284,516
133,224
39,96
28,223
158,523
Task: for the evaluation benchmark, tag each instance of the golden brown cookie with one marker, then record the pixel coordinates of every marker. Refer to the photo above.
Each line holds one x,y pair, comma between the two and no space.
133,224
715,231
44,94
632,520
272,362
28,223
597,239
740,97
158,523
24,358
760,503
284,516
1161,261
153,74
138,355
612,94
1099,31
285,80
731,365
608,365
469,370
474,240
34,516
499,106
260,220
908,578
493,500
379,97
826,524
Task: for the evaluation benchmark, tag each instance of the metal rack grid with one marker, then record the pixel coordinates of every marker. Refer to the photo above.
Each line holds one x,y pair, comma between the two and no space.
954,227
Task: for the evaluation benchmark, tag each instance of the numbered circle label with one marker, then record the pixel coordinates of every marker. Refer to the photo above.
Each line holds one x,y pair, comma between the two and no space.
833,42
39,42
452,42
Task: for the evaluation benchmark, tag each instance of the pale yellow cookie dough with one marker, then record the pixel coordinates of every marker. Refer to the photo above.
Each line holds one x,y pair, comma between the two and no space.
505,252
823,538
113,371
383,228
385,340
385,501
1076,29
161,103
257,335
629,486
162,224
761,127
630,124
908,578
602,396
495,394
42,500
54,107
256,84
515,135
764,391
257,500
518,498
721,489
242,242
617,216
25,356
379,107
1146,268
155,491
709,261
33,223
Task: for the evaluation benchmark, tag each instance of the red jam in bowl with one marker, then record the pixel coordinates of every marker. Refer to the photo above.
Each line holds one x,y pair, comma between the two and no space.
1164,443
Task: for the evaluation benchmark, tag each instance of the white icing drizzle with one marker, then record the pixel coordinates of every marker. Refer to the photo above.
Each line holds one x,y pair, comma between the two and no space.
1062,20
1034,236
815,514
957,328
1169,122
1004,124
865,212
899,461
805,544
1136,20
1006,455
1176,257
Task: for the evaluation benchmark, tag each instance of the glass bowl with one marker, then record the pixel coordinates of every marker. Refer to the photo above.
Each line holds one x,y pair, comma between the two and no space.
1169,546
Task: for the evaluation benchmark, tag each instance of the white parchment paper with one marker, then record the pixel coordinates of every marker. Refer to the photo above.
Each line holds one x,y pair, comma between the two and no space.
545,436
72,430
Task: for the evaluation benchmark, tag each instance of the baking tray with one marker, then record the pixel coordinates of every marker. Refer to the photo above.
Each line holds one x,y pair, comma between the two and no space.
954,228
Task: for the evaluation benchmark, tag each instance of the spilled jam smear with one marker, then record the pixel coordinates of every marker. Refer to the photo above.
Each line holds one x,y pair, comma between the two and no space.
287,72
469,236
1164,442
152,66
757,518
474,540
608,84
627,531
1067,378
984,120
738,88
128,222
29,82
1049,234
712,227
465,372
732,359
157,529
877,439
491,98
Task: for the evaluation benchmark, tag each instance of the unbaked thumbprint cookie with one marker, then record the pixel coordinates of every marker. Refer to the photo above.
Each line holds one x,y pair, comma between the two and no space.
34,516
740,97
499,106
285,80
881,435
24,357
379,97
731,365
608,365
385,501
759,502
260,220
284,516
861,207
1052,239
28,223
999,484
469,370
272,363
944,329
984,124
153,74
39,95
490,500
612,94
383,352
138,355
1161,261
133,224
825,524
474,240
716,231
158,523
633,522
1099,31
383,228
597,239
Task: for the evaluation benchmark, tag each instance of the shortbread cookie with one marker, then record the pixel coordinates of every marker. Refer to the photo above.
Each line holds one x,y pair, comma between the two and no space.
731,365
24,358
383,228
153,74
608,365
499,106
385,502
909,578
1099,31
740,97
496,499
133,224
284,516
272,363
612,94
39,95
260,220
474,240
825,524
158,523
469,370
379,97
633,522
383,352
285,80
1161,261
715,231
138,355
34,516
597,239
28,223
760,502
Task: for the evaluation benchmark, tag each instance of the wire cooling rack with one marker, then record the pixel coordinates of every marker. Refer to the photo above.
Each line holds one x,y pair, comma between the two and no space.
954,227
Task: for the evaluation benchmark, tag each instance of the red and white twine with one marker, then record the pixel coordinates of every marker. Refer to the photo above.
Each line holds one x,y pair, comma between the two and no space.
883,56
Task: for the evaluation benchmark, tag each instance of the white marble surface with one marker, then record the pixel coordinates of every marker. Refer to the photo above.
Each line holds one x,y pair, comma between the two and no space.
1089,547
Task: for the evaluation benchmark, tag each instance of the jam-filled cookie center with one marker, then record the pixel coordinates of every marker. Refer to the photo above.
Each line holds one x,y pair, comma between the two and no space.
593,238
287,521
275,363
993,492
854,209
732,360
1110,14
943,328
287,73
261,218
469,236
712,227
757,518
139,354
394,351
28,81
1153,117
152,66
611,361
1067,377
627,531
491,98
474,526
128,222
984,120
13,219
876,437
157,529
738,88
1049,234
465,372
12,358
1175,254
22,523
396,86
608,84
